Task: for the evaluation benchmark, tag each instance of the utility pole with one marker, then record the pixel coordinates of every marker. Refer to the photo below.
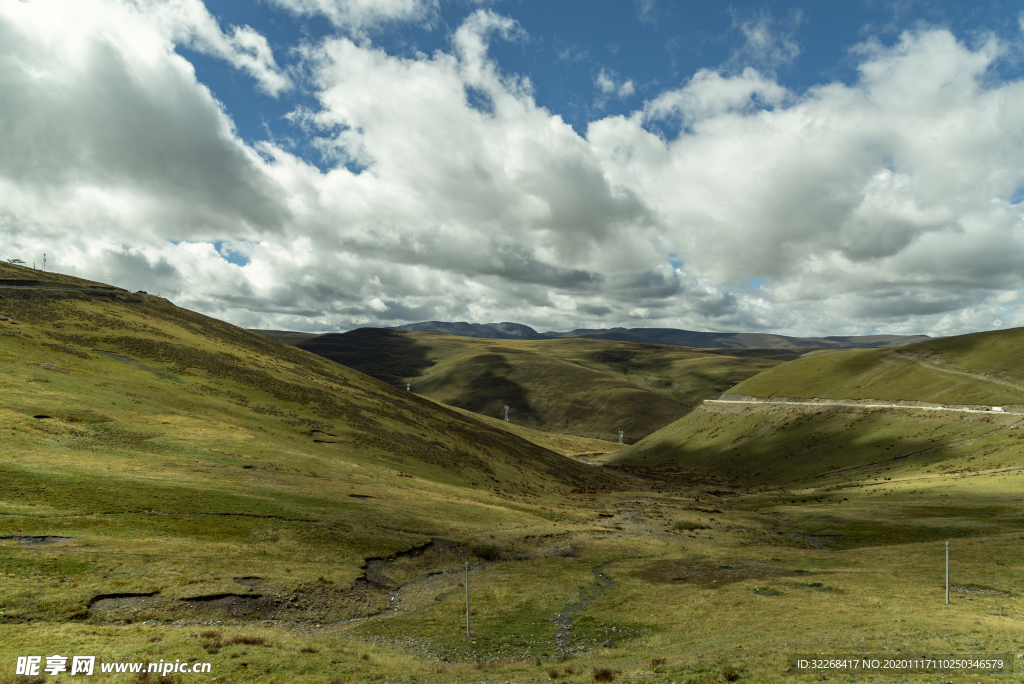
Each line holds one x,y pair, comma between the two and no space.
467,599
506,413
44,262
947,573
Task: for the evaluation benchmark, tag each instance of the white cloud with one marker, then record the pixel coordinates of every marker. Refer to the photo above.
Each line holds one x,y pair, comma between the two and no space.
879,204
606,84
189,23
645,11
359,15
709,94
766,46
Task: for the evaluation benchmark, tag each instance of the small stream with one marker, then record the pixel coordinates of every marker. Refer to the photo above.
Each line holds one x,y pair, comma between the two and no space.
566,620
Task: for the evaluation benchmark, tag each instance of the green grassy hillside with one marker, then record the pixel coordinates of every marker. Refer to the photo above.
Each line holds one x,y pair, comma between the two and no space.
773,444
175,489
143,432
583,387
981,368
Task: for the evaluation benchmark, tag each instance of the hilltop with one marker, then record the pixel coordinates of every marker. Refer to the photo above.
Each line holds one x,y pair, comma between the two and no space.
978,368
670,336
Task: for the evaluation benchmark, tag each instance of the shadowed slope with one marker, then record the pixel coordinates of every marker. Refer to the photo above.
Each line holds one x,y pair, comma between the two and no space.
589,388
776,443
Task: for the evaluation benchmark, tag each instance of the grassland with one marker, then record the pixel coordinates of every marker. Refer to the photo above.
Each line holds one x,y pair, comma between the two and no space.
581,387
981,368
200,492
775,443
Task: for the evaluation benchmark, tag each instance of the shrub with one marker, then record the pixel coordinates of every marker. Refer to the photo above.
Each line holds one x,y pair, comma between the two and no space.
730,673
603,675
655,662
247,640
553,673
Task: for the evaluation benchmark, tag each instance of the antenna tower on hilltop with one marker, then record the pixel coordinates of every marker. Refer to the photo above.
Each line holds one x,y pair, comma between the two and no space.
506,413
620,436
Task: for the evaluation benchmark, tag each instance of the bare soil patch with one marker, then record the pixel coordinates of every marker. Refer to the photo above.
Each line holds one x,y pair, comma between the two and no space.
37,540
116,601
710,575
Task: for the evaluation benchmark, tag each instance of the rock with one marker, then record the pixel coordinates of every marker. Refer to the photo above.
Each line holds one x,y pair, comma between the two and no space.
610,644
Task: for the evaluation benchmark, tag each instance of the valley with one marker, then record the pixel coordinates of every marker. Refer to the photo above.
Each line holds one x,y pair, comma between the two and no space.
582,387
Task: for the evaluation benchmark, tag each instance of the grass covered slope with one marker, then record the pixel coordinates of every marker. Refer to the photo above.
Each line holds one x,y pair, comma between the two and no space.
774,444
566,445
771,445
583,387
169,452
13,275
980,368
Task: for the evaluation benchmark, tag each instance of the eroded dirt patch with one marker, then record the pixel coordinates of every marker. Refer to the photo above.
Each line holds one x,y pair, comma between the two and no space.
251,582
119,601
706,574
980,590
321,601
408,566
38,540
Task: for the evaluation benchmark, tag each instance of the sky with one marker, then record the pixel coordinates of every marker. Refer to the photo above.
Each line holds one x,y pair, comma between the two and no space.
802,168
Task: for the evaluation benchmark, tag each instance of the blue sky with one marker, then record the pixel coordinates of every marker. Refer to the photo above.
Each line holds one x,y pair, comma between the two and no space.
809,168
567,44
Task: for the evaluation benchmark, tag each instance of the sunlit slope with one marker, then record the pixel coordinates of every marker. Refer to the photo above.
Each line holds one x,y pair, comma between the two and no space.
776,443
60,352
772,444
583,387
171,452
980,368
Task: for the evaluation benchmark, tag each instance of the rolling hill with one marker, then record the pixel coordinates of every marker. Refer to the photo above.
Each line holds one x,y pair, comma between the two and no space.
979,368
782,443
583,387
146,433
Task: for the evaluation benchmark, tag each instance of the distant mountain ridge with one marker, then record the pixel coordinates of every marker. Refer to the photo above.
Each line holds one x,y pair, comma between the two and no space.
671,336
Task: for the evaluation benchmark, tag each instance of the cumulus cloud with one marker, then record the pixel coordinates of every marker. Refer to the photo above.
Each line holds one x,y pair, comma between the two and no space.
102,116
709,94
883,204
189,23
